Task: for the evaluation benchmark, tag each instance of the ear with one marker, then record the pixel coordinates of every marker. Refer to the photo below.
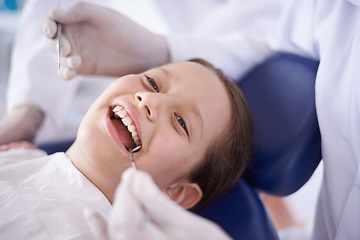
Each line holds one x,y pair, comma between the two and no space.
184,193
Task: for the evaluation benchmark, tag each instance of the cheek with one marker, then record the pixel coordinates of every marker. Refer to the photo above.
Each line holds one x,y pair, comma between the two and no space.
168,161
89,137
99,149
92,134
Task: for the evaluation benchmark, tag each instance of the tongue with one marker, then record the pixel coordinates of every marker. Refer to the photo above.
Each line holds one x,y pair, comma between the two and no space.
125,135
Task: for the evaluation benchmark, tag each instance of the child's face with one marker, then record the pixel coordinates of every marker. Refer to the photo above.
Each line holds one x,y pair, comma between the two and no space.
177,110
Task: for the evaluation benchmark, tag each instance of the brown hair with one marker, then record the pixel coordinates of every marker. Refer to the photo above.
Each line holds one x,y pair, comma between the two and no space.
227,157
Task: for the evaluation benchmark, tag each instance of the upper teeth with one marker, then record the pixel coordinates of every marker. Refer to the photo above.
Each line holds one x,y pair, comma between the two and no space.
128,122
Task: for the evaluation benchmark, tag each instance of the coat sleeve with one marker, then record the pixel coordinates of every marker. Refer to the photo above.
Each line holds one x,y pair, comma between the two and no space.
232,35
295,32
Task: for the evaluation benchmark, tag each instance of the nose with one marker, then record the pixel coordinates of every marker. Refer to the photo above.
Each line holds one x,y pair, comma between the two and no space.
153,103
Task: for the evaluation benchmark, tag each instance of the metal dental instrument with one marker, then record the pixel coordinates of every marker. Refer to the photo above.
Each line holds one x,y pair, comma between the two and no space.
134,150
58,39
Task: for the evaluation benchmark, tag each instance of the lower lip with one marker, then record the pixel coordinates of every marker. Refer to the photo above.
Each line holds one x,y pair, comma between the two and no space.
114,134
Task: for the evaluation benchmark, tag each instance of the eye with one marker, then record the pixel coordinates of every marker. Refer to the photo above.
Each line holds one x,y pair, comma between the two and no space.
182,123
152,83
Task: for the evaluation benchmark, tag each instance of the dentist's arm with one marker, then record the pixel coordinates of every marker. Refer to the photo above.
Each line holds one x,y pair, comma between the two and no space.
142,211
101,41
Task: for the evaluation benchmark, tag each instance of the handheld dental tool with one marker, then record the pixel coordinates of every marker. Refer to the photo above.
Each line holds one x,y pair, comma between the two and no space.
132,151
58,39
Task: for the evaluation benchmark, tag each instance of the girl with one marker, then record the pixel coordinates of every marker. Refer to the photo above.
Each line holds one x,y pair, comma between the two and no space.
195,132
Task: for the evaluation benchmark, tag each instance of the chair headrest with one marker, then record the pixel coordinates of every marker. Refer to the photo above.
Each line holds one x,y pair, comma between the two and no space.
287,145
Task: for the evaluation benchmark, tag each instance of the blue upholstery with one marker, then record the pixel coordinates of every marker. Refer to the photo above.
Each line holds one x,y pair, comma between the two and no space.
281,94
241,214
286,149
53,147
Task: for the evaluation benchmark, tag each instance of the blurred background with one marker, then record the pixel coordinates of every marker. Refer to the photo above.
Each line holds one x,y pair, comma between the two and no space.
9,18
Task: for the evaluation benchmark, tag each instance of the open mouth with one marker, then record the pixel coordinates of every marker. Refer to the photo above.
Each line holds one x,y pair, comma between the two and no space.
125,127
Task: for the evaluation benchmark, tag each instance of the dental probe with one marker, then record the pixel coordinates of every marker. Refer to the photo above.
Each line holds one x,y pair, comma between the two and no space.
58,39
134,150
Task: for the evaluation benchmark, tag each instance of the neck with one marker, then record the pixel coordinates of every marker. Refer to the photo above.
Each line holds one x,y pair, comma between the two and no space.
106,180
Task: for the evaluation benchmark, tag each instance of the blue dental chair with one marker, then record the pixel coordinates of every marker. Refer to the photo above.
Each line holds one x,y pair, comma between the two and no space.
286,149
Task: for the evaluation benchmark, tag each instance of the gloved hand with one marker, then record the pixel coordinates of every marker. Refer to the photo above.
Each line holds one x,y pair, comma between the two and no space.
19,144
142,211
101,41
20,124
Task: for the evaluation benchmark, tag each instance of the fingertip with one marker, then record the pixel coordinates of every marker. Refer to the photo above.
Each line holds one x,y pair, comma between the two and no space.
52,14
65,47
49,28
75,62
144,176
67,73
47,31
57,13
129,171
126,180
70,74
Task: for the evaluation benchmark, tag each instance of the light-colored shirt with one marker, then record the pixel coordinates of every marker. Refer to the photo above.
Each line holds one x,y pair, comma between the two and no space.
231,34
329,31
43,197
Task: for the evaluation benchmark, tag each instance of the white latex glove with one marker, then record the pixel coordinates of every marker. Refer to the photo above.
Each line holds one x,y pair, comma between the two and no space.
101,41
141,211
18,144
20,124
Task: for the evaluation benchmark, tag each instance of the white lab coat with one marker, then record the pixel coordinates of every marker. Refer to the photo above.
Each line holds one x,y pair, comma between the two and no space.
231,34
329,31
44,196
237,42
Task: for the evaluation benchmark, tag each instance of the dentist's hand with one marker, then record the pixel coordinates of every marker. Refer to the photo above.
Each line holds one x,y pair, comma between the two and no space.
100,41
20,144
142,211
20,124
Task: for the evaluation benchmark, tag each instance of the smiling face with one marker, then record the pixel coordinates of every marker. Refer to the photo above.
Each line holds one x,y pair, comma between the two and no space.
174,112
